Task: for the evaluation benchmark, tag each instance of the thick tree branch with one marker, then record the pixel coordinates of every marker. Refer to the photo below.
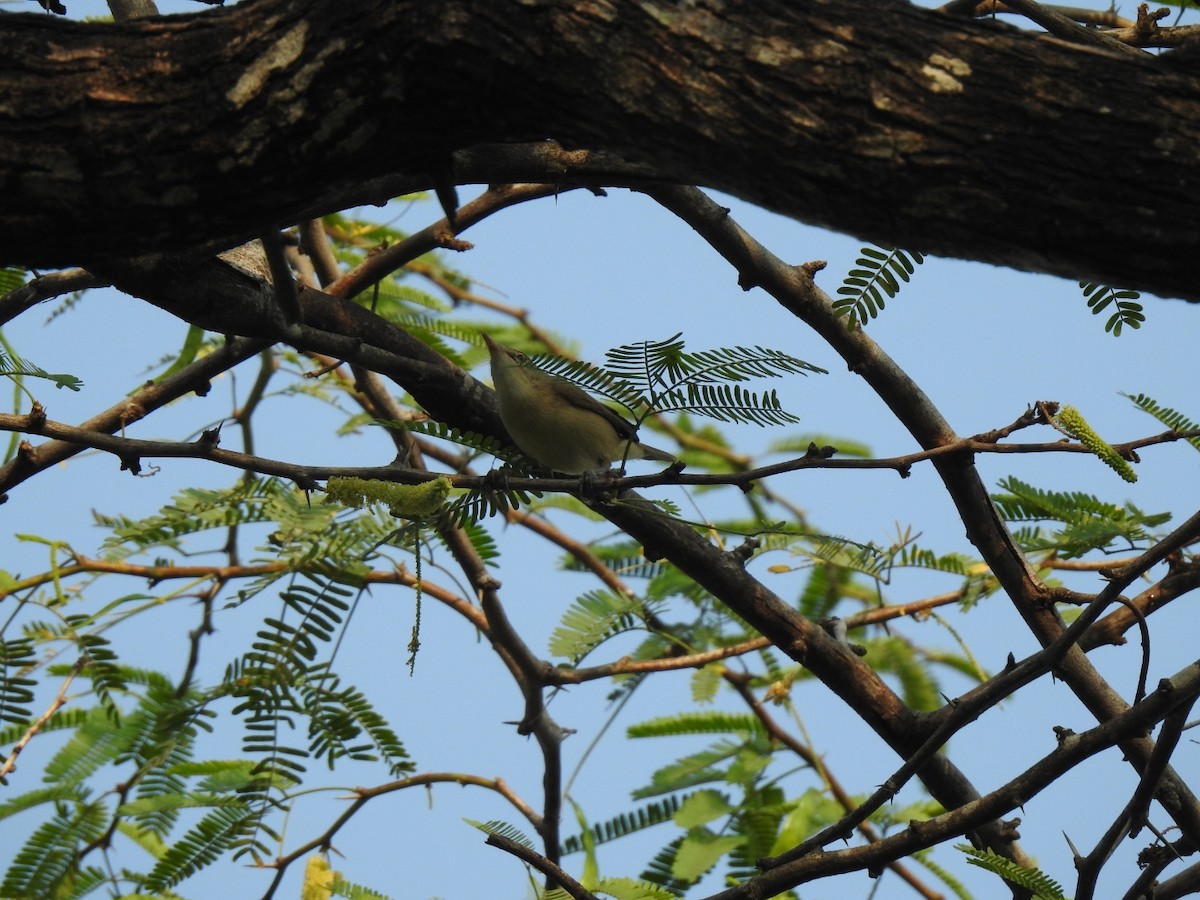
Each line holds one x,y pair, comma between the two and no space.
874,117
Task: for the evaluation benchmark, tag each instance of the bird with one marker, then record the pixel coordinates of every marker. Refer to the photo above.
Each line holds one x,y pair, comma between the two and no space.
556,423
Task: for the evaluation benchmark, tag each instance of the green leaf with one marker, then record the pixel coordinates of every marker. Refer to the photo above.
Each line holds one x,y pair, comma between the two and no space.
17,368
192,342
494,826
51,852
880,271
352,891
700,851
629,889
701,808
1042,886
624,824
1090,523
201,846
10,279
1128,311
1172,418
592,619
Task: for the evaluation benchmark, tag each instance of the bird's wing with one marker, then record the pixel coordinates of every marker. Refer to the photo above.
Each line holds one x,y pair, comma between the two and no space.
577,396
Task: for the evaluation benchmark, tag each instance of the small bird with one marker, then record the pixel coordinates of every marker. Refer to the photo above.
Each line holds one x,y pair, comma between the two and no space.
557,424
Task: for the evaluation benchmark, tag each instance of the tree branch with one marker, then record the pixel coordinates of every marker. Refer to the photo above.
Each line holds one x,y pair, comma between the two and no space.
874,117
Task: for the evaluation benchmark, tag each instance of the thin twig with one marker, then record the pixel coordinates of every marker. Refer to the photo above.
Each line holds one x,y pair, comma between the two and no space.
1062,27
552,871
60,699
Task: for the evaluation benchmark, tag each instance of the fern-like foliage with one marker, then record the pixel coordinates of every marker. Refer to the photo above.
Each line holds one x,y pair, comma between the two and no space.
343,723
661,870
472,507
608,383
1041,885
897,657
624,558
219,830
701,722
592,619
707,766
48,857
17,368
1172,418
625,824
1128,312
503,829
925,858
192,511
481,443
662,377
879,271
757,822
16,688
625,889
352,891
11,278
1088,523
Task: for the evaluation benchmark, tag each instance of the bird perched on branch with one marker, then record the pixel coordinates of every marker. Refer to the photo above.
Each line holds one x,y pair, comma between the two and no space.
558,424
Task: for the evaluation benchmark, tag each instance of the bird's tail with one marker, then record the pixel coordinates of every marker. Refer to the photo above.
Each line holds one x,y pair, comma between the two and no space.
645,451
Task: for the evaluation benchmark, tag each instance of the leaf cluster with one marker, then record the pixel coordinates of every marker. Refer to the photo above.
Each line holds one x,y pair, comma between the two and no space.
652,377
878,271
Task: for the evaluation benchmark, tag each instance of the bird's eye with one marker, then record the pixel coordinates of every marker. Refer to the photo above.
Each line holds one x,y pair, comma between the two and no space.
519,357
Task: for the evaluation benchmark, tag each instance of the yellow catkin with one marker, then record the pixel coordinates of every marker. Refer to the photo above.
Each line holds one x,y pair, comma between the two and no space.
1072,422
405,501
318,879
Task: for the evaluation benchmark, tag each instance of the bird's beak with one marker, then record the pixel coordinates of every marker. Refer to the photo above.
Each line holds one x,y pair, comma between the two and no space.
492,346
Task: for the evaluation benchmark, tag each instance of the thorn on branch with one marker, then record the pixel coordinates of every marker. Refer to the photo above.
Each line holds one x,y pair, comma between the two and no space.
715,215
209,439
811,268
1078,857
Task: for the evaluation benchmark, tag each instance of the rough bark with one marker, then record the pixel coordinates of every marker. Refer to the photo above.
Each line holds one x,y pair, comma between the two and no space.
874,117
